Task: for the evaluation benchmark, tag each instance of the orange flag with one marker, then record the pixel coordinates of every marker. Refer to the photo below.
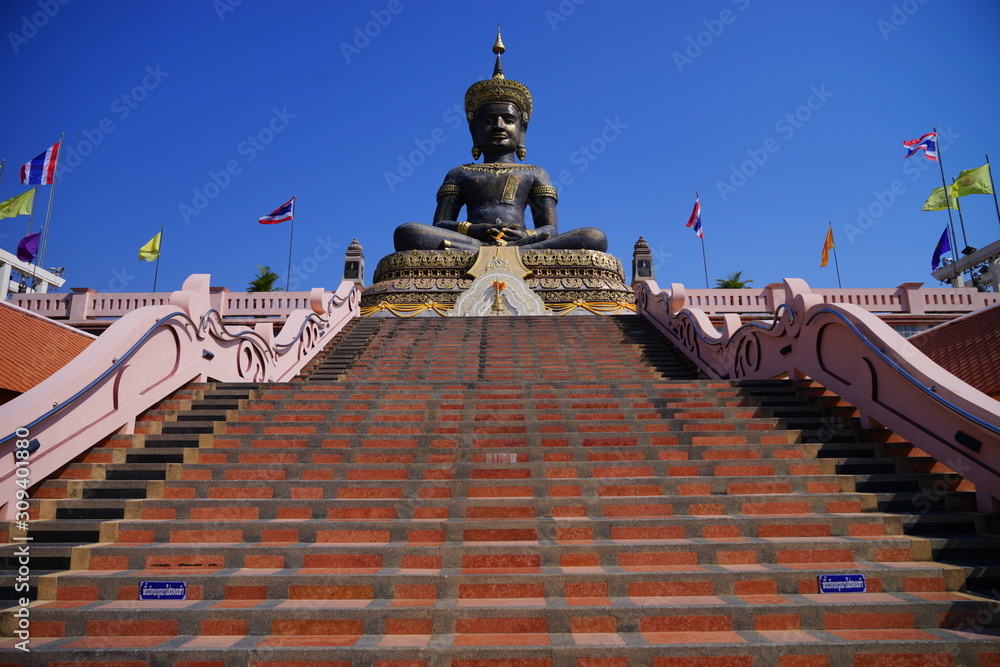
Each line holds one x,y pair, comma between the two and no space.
825,257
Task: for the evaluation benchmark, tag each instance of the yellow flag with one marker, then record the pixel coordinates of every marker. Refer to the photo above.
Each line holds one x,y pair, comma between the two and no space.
936,201
151,250
825,257
19,205
973,182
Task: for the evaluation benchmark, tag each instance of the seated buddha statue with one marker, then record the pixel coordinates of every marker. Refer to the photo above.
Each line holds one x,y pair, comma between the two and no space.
496,192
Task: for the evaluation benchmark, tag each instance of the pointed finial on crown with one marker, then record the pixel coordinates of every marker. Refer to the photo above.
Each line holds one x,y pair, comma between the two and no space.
498,48
498,89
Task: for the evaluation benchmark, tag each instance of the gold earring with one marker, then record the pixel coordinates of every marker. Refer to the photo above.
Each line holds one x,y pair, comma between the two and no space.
476,152
522,152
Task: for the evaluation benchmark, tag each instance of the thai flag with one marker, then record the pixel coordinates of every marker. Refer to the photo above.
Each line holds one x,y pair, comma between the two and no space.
41,170
928,143
694,221
283,213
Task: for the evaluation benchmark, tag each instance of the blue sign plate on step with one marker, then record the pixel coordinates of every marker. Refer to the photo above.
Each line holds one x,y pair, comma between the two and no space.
842,583
162,590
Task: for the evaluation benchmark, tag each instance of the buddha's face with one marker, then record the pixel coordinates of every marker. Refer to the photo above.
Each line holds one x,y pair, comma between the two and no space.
498,128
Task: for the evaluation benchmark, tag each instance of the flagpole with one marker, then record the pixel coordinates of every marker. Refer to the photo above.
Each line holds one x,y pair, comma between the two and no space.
704,257
156,270
34,266
52,196
836,262
989,170
961,219
32,215
947,199
291,234
704,260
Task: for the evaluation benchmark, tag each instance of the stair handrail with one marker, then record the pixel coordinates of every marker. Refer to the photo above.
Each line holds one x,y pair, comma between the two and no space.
854,354
142,358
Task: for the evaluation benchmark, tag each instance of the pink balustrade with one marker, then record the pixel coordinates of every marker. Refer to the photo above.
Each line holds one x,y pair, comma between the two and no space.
849,350
86,305
907,298
144,356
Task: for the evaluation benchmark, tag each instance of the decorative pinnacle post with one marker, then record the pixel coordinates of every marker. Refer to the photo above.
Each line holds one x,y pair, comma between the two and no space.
642,262
354,263
498,48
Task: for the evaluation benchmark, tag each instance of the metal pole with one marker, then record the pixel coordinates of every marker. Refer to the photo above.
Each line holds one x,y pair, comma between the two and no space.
704,260
989,170
961,219
836,262
32,216
291,234
947,200
48,214
704,257
156,270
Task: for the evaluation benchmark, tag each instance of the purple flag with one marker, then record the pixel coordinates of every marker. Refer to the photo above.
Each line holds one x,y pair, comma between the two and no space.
943,246
28,247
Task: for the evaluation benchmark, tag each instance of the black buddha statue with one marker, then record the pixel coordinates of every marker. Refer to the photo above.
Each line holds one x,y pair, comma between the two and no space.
496,192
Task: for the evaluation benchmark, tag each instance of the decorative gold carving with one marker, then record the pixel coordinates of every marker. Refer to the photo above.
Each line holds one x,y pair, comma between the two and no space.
463,227
448,189
497,168
406,310
400,298
509,254
544,191
498,46
510,188
595,307
559,276
499,89
498,307
499,291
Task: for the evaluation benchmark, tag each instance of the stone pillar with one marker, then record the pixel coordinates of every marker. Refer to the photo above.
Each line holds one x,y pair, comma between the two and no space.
219,300
354,264
4,280
79,304
911,298
642,262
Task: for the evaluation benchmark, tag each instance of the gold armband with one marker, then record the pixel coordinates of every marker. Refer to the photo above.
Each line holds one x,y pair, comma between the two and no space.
463,228
544,191
530,232
448,189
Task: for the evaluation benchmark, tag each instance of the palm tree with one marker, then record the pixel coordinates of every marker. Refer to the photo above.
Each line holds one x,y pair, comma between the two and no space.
733,281
264,280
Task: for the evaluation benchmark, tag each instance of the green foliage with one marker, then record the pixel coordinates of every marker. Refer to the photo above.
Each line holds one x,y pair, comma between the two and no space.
733,281
264,280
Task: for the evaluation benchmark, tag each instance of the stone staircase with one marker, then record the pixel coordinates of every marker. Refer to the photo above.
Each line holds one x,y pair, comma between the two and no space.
505,492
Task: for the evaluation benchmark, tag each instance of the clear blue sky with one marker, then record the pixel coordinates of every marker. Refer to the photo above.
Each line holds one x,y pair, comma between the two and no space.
637,106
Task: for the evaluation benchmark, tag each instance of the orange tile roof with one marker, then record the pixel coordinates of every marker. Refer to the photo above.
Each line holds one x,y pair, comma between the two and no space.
32,347
967,347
